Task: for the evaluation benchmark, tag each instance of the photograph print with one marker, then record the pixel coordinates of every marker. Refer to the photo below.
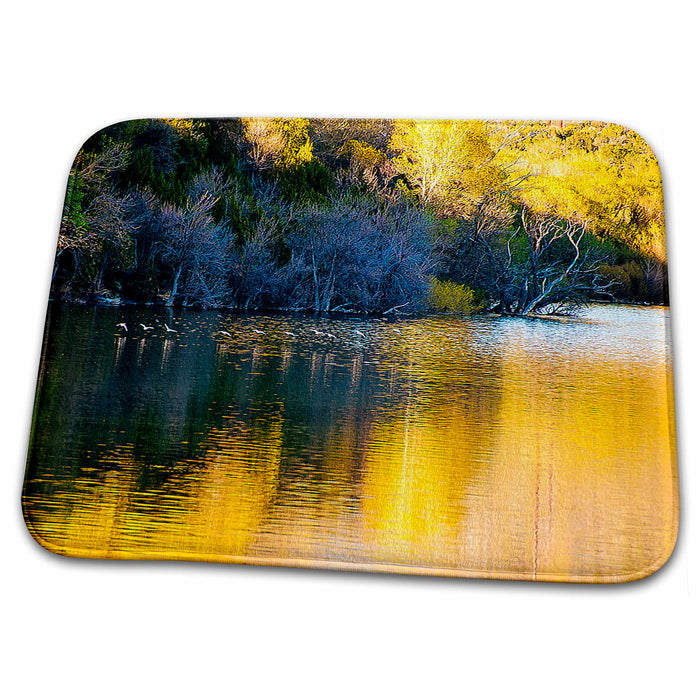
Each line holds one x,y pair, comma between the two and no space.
434,347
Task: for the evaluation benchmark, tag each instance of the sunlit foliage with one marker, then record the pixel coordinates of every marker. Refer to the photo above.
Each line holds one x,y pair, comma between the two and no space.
299,213
450,297
602,174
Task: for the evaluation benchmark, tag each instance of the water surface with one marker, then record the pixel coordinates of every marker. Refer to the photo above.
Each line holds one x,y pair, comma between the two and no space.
474,447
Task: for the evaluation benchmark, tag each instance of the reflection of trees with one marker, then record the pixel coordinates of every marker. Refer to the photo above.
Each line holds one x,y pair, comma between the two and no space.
388,449
588,460
426,459
179,430
101,391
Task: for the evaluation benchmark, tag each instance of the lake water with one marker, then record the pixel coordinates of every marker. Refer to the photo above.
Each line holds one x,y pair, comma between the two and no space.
495,447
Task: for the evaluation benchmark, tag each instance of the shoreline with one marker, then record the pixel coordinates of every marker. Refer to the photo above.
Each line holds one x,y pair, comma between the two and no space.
389,315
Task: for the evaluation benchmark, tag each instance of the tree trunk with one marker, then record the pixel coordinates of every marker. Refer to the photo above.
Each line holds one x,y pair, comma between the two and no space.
317,296
173,292
100,275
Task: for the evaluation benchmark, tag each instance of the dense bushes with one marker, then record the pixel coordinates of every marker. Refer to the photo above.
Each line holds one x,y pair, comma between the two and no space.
387,217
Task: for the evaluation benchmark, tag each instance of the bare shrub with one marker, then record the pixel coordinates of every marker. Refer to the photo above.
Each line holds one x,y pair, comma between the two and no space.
356,253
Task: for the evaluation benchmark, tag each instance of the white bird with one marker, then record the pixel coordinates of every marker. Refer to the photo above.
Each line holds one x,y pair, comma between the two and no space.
330,335
255,330
396,330
122,325
225,333
145,327
360,333
313,330
289,333
169,329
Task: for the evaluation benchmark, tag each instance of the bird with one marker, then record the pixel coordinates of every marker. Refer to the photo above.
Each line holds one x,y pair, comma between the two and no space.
255,330
169,329
225,333
289,333
361,333
122,325
330,335
145,327
396,330
313,330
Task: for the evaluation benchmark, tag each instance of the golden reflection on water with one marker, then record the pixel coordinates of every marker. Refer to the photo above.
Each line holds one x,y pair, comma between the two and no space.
498,448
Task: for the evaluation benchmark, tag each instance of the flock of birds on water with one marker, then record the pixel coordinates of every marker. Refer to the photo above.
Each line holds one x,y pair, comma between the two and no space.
221,333
146,328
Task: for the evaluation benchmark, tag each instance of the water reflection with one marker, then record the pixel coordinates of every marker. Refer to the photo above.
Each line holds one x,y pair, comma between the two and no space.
495,447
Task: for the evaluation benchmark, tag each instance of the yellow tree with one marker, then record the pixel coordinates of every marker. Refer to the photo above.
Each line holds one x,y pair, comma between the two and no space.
600,174
266,140
456,166
430,154
277,143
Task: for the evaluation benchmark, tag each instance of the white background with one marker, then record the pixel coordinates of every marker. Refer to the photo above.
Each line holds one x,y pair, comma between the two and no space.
76,629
